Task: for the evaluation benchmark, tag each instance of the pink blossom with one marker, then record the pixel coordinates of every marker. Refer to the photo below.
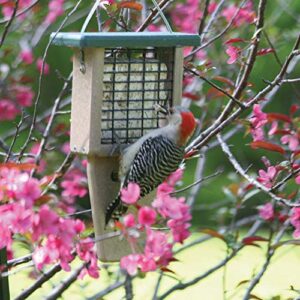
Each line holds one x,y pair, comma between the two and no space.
257,134
130,263
292,140
273,129
8,110
131,194
212,7
146,216
297,179
267,177
129,221
24,95
233,53
179,230
74,184
266,212
245,14
164,189
175,177
147,264
157,247
29,190
39,64
41,257
55,10
295,221
186,16
45,222
259,118
173,208
26,56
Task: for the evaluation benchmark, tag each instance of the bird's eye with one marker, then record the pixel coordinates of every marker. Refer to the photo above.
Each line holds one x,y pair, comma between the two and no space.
171,111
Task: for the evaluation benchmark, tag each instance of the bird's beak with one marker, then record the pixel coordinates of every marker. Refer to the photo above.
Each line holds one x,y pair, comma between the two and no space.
163,109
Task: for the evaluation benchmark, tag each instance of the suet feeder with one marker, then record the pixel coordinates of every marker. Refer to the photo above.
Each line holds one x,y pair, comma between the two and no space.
117,78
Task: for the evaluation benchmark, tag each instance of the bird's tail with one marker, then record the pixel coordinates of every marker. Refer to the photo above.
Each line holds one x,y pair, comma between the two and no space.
115,210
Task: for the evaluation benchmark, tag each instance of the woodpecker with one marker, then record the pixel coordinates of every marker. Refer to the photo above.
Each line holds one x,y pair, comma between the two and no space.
153,157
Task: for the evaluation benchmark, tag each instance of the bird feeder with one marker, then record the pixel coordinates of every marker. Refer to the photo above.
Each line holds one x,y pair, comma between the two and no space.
117,78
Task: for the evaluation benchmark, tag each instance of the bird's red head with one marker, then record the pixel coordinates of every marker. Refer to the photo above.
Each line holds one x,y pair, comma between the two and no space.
187,126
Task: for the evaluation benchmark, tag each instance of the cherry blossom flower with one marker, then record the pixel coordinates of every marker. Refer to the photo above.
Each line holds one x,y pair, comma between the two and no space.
39,65
131,194
295,221
186,16
24,95
267,177
244,15
266,212
74,184
26,56
146,216
56,9
129,221
233,53
292,140
130,263
8,110
175,177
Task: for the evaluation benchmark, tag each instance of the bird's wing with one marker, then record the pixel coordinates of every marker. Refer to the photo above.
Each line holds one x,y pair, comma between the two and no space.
156,159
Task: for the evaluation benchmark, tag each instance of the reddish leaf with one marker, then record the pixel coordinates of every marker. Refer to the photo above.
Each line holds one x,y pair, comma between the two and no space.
234,40
191,153
252,296
267,146
47,179
242,282
224,80
164,269
278,117
294,108
43,199
213,233
191,96
21,167
214,93
251,239
131,5
265,51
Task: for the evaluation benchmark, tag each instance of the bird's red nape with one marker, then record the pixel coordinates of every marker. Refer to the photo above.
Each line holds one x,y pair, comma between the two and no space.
187,127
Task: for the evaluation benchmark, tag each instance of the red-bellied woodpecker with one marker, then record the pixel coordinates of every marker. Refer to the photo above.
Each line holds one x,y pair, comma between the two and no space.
152,158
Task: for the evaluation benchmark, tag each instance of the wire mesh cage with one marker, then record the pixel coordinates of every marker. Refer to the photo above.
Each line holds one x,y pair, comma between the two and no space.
117,78
134,79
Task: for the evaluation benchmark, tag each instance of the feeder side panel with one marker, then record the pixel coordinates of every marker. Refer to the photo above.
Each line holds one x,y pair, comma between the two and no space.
178,76
87,101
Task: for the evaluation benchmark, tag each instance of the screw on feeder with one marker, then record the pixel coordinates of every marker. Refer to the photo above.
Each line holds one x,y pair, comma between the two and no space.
82,67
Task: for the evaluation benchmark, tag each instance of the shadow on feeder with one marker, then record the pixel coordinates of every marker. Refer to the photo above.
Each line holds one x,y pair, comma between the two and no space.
117,78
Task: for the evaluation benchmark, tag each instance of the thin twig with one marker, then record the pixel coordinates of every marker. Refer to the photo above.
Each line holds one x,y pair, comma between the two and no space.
8,24
152,15
217,173
21,12
251,180
65,284
128,287
204,16
216,127
107,290
34,117
270,253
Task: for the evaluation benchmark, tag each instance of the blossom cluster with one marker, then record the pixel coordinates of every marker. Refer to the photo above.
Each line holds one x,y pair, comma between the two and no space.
25,211
166,208
278,132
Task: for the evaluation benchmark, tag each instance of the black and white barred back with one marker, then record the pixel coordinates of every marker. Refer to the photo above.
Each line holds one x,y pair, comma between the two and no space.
157,158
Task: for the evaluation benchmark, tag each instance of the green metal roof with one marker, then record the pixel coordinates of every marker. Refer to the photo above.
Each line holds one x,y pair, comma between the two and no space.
124,39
